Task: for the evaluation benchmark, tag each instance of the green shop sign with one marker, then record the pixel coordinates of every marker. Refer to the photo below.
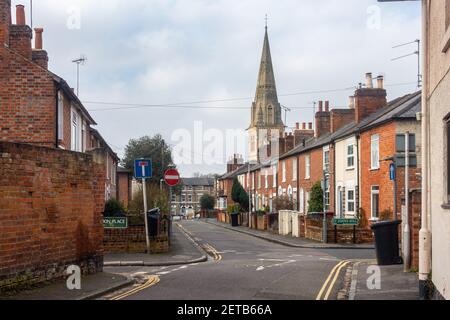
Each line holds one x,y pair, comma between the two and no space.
115,222
345,222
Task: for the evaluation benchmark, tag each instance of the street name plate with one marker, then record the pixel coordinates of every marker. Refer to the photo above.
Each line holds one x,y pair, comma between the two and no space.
345,222
115,223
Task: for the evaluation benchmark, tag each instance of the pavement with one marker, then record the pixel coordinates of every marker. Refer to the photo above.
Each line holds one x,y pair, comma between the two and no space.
183,250
289,241
371,282
92,286
243,267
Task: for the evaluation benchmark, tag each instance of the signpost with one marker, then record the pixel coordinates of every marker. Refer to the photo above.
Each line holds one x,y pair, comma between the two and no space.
171,178
143,170
115,222
345,222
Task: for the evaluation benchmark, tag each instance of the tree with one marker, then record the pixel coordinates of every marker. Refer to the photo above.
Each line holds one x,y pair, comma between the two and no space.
207,202
283,203
316,201
155,199
113,207
239,195
154,148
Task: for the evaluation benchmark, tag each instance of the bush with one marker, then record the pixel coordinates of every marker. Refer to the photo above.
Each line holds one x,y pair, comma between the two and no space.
207,202
239,195
283,203
316,200
113,208
155,199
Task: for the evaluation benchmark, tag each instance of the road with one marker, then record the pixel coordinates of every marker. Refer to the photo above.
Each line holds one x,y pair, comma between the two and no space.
243,267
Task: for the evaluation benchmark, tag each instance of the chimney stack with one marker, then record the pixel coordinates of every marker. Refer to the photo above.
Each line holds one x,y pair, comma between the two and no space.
20,34
304,125
5,21
322,120
369,100
380,82
340,118
310,126
39,56
369,81
297,126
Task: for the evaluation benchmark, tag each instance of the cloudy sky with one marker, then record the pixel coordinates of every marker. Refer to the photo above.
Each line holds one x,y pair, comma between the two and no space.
159,52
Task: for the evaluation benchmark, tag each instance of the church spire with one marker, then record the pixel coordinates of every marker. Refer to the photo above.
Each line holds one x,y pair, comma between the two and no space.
266,97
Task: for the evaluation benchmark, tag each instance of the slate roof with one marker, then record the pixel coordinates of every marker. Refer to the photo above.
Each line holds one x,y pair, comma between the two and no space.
201,181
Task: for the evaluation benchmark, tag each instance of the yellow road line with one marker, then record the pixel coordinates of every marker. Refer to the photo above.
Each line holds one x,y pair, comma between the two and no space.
153,280
330,288
319,295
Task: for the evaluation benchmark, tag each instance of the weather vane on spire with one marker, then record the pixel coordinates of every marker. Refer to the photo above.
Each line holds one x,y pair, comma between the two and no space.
266,20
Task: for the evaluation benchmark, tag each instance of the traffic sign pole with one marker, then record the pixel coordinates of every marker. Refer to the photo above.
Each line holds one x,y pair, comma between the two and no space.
144,191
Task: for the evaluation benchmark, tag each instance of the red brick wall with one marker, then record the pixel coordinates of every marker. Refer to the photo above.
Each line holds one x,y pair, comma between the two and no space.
51,204
124,187
379,177
316,170
368,101
5,19
130,240
27,101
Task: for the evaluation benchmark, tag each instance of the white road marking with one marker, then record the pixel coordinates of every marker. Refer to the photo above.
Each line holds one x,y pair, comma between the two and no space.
284,262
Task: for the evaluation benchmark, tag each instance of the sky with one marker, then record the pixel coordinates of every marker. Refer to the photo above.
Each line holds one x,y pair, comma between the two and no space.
185,52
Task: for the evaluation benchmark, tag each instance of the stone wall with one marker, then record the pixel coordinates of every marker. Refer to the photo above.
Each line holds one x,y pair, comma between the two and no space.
51,204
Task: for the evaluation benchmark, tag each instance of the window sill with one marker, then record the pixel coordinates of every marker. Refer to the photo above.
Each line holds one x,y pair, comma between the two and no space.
374,169
350,168
446,206
374,219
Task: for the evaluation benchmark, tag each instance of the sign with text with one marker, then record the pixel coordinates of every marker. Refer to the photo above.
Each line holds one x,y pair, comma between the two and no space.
142,168
345,222
115,222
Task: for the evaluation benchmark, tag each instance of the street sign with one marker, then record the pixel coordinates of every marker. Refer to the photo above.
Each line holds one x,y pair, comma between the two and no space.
115,222
345,222
172,177
392,172
142,168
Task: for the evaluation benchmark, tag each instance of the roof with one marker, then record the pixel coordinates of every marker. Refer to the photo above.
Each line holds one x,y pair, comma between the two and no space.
72,96
104,143
402,108
123,170
200,181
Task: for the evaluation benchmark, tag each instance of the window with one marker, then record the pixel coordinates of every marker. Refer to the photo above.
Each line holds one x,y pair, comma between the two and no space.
274,176
375,152
307,167
351,201
259,180
326,160
266,178
294,170
183,198
375,202
174,197
307,196
350,156
189,198
253,181
60,116
400,148
283,165
301,207
75,138
327,193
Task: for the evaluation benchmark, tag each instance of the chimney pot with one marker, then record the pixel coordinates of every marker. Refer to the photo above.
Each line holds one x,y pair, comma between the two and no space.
351,102
38,39
369,81
320,106
20,15
297,125
380,82
304,125
327,106
310,125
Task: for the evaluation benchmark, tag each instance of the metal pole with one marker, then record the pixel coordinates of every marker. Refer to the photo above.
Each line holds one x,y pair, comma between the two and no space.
406,231
395,193
324,224
144,191
78,79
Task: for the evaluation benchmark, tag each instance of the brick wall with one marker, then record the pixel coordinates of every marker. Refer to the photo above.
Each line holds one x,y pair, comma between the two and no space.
51,204
131,240
27,110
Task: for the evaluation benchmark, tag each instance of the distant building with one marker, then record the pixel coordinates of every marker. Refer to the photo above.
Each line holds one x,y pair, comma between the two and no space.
188,199
124,185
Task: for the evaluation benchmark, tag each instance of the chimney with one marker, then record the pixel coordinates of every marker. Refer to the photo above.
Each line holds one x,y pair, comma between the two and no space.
322,120
369,81
327,106
304,126
310,126
380,82
297,125
20,34
340,118
39,56
5,21
368,100
234,163
289,143
351,102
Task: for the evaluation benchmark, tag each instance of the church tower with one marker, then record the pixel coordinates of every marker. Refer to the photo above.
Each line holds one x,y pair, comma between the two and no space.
266,123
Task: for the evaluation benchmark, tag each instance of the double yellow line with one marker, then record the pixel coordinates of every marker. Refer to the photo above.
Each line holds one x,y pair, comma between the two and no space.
331,280
152,280
214,252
